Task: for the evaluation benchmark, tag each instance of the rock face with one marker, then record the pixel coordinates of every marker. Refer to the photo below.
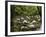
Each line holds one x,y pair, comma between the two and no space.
25,23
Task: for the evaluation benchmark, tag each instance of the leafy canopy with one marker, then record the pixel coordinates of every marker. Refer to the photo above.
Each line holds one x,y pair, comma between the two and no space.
24,10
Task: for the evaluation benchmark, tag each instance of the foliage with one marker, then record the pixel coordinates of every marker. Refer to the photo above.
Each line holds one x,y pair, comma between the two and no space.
21,13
